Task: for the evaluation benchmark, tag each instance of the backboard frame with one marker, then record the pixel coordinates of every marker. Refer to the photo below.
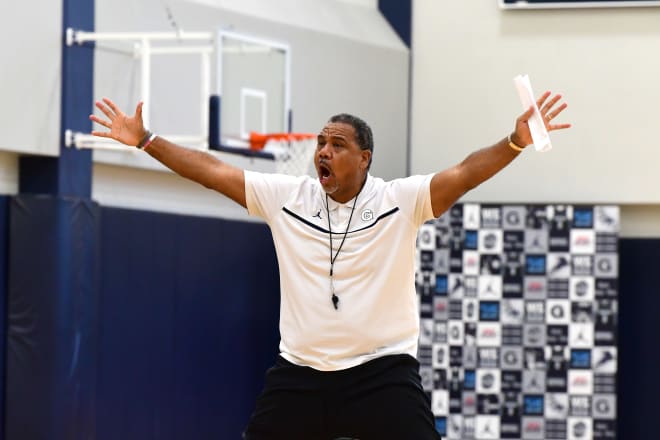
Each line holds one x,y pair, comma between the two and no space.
575,4
221,36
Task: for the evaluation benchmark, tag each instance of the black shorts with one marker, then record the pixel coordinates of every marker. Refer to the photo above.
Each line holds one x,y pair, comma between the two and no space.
380,400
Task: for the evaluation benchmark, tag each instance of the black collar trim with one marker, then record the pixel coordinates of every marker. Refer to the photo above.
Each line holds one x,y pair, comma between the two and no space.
325,231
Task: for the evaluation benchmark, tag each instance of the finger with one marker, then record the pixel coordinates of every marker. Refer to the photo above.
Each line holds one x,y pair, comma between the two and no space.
554,113
541,100
100,134
113,106
528,114
106,111
559,127
138,110
100,121
548,105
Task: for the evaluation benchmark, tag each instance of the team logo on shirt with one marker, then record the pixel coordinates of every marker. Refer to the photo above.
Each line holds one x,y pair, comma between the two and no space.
367,215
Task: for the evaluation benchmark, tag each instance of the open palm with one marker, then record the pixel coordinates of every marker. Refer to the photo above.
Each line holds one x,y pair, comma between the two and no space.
128,130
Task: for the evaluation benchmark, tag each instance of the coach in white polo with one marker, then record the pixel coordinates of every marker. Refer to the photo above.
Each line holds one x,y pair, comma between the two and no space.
345,244
374,312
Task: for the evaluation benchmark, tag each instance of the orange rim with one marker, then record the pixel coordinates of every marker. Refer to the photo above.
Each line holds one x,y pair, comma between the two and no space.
258,140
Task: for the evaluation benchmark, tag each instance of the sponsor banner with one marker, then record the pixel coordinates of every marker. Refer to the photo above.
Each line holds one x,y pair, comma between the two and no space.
519,320
555,429
579,428
604,429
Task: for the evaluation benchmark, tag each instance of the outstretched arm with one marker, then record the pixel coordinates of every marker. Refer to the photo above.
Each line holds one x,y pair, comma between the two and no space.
449,185
197,166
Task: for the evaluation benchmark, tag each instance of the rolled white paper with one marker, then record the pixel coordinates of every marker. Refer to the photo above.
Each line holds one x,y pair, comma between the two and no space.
540,135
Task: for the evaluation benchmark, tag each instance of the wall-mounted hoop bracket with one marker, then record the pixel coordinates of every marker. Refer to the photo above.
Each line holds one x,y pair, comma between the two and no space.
143,46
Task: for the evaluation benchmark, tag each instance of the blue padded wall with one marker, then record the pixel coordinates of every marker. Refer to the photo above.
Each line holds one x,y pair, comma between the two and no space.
4,282
176,340
639,328
188,325
52,318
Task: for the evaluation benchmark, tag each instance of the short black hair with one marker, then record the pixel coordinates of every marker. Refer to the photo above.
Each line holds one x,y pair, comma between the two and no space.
363,133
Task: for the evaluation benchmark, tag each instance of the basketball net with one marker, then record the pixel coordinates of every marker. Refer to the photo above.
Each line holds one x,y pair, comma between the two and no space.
293,152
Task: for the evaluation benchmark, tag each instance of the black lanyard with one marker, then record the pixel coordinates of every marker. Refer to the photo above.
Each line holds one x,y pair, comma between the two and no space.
335,298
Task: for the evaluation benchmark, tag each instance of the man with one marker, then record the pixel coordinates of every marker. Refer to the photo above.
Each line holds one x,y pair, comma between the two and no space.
345,244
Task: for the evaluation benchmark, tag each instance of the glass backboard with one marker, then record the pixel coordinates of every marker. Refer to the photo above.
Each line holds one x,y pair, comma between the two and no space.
253,83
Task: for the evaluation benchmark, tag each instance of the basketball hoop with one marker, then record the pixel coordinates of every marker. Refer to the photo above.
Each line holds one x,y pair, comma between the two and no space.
292,152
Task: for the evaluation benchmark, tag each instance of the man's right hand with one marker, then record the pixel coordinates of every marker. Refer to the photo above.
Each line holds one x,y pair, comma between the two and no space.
129,130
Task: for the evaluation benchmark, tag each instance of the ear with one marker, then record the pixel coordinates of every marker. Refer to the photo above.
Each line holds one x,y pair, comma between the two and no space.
366,157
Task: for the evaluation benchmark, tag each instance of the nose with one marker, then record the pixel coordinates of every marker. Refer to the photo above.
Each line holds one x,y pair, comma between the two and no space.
325,151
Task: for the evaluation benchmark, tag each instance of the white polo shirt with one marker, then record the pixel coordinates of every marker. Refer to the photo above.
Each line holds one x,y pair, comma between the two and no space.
374,273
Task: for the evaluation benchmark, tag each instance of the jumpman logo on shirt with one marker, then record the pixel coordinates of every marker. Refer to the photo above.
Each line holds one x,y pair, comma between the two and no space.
318,214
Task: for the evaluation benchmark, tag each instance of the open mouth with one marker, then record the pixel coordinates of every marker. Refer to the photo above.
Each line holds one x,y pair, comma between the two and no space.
324,173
